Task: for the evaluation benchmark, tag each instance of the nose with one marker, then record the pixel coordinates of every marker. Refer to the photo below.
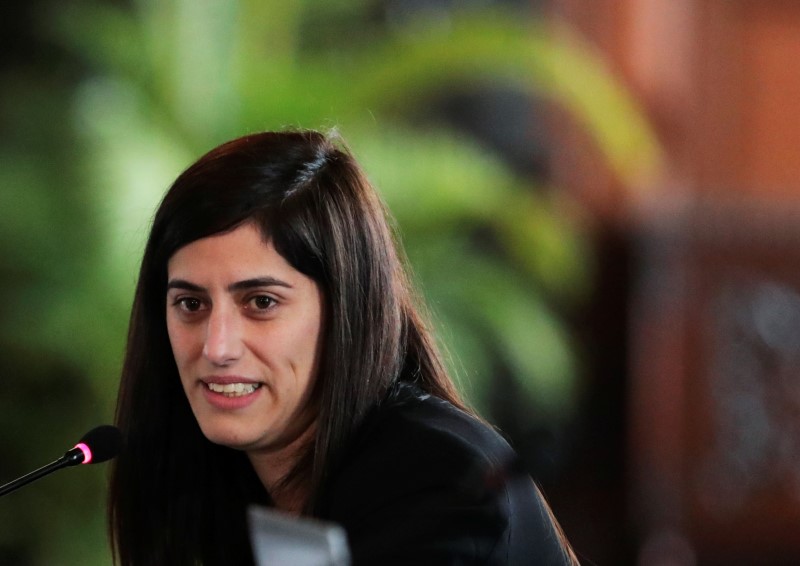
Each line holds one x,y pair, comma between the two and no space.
223,345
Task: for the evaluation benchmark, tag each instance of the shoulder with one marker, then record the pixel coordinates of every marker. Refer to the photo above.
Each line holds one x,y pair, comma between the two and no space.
420,485
413,423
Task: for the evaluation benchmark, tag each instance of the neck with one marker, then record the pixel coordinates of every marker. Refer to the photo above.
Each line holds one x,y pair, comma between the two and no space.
274,468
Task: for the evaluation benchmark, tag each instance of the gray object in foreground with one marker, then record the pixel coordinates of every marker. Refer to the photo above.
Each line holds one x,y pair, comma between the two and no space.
281,539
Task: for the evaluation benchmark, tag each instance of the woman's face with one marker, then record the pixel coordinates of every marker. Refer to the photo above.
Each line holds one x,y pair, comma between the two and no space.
245,329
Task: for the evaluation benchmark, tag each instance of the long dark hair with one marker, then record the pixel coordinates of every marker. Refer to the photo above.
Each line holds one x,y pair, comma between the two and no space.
176,498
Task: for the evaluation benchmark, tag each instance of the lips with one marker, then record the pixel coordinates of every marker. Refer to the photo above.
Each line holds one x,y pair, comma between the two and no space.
230,392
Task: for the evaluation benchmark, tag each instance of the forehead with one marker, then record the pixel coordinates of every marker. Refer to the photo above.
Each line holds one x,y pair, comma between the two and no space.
240,251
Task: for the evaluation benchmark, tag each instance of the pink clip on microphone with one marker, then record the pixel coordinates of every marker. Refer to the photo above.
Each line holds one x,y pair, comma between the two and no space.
87,452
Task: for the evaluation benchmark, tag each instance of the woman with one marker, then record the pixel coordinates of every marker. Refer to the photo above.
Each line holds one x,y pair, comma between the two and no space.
275,356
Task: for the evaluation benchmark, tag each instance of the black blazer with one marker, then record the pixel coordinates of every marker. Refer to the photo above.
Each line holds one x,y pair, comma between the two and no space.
425,483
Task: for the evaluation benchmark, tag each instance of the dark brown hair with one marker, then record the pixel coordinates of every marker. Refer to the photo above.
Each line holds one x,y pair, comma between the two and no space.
176,498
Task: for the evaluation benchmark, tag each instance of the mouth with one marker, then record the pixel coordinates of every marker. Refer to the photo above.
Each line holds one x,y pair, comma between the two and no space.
229,390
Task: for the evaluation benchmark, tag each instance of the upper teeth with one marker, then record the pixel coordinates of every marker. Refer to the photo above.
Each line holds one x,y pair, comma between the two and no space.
234,389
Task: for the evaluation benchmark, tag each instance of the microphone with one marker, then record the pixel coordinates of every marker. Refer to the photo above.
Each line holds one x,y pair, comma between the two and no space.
98,445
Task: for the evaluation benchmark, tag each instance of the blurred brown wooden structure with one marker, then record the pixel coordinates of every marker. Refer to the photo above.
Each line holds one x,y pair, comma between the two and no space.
699,289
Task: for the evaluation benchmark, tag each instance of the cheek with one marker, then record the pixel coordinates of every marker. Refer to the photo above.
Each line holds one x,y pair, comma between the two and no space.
180,341
311,348
296,351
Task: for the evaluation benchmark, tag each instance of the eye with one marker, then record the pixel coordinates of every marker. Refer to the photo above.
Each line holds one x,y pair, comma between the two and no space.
188,304
260,303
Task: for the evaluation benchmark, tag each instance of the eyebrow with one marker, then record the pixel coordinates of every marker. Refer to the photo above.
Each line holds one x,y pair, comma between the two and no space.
238,286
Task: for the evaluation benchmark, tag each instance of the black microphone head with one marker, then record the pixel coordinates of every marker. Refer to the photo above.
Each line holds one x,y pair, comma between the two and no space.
102,443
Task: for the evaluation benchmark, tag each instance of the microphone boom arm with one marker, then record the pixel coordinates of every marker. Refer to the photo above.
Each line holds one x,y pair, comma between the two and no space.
98,445
71,458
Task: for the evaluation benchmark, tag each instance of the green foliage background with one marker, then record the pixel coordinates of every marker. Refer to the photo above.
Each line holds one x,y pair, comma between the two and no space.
89,149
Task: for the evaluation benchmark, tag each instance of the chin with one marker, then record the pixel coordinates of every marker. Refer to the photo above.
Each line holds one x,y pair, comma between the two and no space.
228,435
